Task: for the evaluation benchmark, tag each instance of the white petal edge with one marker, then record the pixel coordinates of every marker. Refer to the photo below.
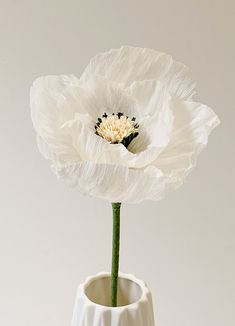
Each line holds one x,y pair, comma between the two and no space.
193,124
113,183
130,64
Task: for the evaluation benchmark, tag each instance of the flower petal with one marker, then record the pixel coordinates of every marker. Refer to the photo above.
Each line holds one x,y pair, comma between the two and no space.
150,95
193,123
129,64
100,95
114,183
47,97
152,101
52,103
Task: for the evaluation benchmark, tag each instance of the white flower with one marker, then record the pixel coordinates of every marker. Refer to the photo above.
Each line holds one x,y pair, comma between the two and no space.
128,130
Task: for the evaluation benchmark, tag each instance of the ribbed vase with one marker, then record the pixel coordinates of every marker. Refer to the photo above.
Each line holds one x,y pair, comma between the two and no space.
92,306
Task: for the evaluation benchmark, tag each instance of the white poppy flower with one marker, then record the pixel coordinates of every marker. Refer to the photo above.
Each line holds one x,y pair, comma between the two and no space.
127,130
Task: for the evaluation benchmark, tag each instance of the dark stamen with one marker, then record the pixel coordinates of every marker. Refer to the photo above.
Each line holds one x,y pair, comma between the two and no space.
127,140
119,115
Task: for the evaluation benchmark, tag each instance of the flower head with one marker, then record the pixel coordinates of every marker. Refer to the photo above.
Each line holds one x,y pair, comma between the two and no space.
128,130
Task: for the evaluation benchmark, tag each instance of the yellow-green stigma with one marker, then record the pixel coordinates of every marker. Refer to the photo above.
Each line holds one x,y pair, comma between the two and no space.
117,128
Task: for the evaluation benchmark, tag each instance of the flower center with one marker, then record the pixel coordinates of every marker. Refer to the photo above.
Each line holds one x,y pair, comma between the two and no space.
117,128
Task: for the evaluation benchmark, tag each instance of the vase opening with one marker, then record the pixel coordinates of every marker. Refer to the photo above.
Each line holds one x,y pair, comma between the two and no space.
98,291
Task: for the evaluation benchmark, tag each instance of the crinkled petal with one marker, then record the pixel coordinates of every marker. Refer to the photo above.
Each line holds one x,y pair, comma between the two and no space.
114,183
154,133
58,151
99,95
193,122
48,96
53,102
151,96
153,103
130,64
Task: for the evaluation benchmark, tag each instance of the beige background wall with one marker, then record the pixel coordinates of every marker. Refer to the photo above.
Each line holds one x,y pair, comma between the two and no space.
51,238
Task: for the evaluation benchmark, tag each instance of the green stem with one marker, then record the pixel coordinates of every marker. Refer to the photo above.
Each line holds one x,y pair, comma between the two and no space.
115,253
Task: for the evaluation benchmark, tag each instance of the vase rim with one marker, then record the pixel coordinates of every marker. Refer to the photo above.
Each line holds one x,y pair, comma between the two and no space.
130,277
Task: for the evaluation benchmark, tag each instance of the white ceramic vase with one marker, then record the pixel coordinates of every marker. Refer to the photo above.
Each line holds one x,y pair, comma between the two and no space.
92,306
